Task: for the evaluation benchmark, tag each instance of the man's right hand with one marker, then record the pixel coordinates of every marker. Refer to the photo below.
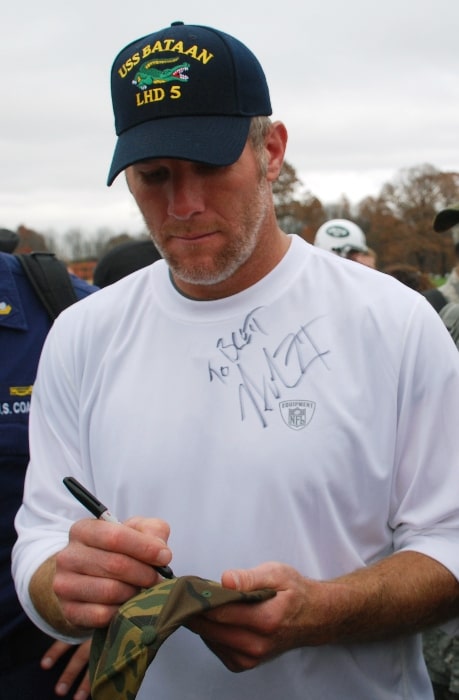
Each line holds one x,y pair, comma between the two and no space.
103,565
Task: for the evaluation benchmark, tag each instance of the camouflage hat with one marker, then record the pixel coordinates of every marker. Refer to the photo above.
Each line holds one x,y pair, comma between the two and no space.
121,653
446,218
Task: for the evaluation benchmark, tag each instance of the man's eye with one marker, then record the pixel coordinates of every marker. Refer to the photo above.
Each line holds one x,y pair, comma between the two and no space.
207,169
153,176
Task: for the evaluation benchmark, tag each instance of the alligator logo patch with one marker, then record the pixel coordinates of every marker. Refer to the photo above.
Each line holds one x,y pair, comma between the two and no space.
154,73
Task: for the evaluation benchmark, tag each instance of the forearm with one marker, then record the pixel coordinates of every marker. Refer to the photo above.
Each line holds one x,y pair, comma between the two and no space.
401,594
398,596
104,564
46,602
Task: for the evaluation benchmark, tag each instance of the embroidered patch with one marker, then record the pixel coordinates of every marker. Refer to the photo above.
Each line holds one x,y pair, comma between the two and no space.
5,309
20,390
156,72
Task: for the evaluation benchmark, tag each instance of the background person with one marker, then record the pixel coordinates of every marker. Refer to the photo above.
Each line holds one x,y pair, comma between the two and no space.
122,259
24,324
447,220
211,400
445,298
441,644
346,239
409,275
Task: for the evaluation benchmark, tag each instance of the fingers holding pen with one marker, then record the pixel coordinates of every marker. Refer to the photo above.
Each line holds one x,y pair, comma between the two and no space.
156,530
111,561
126,551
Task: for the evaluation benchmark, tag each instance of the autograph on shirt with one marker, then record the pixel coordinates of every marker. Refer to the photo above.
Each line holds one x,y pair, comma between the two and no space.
280,368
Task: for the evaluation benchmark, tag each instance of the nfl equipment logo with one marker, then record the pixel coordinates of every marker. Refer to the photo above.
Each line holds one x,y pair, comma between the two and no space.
297,414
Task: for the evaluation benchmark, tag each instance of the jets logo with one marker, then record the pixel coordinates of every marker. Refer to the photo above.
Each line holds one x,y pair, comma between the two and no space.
338,231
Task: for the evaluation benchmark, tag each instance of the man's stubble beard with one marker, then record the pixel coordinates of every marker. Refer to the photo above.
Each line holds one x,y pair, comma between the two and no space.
238,250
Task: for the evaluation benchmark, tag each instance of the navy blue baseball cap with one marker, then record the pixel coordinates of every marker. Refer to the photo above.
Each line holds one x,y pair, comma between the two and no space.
8,240
185,92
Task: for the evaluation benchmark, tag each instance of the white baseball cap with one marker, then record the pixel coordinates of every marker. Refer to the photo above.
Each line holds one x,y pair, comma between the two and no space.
341,236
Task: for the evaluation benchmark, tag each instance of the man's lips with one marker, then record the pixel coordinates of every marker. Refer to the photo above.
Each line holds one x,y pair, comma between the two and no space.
194,236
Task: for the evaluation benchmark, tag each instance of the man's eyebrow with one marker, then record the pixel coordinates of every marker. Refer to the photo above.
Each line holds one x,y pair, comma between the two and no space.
147,161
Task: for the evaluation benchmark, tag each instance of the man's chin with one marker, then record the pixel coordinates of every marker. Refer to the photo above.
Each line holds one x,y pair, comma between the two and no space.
201,278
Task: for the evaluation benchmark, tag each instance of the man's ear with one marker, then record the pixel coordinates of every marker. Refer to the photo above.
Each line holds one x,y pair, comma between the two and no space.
275,144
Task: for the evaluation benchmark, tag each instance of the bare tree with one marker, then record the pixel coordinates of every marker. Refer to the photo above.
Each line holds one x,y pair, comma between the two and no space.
399,221
297,210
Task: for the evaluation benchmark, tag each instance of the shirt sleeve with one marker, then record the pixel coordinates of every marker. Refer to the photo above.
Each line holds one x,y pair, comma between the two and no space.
425,504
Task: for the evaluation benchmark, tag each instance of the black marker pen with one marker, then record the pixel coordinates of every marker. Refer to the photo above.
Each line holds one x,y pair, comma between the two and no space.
98,509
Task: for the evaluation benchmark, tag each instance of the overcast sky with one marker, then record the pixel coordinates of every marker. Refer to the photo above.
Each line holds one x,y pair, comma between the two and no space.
365,88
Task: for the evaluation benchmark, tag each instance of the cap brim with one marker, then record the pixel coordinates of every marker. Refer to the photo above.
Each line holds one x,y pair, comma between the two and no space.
346,250
215,140
446,219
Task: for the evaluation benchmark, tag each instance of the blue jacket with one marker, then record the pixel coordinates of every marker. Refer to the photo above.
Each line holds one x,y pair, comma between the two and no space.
24,324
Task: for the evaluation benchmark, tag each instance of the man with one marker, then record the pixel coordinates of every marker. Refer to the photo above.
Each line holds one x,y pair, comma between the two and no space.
445,299
441,645
259,410
122,259
24,324
448,220
345,238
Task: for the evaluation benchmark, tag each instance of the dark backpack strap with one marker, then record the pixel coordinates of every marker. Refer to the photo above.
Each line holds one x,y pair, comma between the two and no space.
51,281
436,298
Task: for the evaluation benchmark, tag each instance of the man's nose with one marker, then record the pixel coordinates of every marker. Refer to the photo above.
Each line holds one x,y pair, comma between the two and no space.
185,196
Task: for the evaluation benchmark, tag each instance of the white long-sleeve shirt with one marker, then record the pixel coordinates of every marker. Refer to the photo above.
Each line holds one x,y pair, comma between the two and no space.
310,419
